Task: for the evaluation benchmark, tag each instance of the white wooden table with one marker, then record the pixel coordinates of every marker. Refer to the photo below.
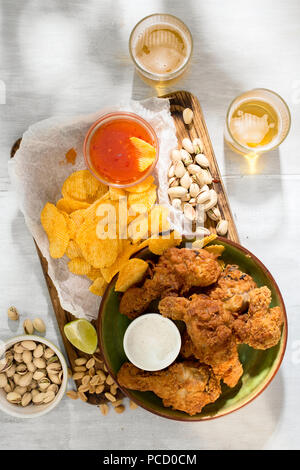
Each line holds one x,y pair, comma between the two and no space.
71,56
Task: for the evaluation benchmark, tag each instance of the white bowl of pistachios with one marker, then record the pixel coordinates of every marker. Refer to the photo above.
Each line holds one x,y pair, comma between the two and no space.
33,376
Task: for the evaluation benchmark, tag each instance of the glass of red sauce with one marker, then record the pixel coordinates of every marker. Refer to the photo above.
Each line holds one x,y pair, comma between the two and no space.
109,153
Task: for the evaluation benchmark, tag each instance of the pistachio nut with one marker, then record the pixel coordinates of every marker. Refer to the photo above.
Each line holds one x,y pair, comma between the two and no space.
187,115
13,397
175,155
187,145
27,344
27,356
222,227
39,351
28,327
13,314
198,145
26,399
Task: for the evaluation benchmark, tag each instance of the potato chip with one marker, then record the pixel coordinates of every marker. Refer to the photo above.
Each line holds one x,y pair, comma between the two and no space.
158,219
94,273
159,245
99,253
138,229
131,273
215,249
116,193
125,251
201,243
98,287
141,187
142,202
78,217
82,186
70,224
73,250
55,226
146,153
69,205
79,266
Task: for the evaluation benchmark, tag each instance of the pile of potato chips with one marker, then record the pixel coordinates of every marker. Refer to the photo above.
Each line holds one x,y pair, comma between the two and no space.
100,227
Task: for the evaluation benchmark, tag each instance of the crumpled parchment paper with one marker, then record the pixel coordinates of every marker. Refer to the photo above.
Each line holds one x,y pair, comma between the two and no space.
39,169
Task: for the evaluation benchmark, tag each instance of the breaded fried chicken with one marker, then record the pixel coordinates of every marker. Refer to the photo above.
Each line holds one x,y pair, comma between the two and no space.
260,327
209,328
186,386
175,273
232,288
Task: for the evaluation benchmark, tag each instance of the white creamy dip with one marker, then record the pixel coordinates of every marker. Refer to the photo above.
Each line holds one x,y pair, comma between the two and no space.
152,342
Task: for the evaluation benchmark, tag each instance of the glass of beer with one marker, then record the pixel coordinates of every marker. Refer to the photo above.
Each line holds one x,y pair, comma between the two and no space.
160,47
257,121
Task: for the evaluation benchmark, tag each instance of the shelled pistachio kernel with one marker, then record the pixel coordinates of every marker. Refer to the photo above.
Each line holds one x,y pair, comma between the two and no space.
13,313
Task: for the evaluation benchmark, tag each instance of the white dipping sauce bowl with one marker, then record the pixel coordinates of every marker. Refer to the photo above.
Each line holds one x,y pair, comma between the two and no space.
152,342
33,411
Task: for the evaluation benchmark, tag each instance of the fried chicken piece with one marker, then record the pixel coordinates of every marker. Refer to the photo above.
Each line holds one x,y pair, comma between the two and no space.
260,328
209,328
233,288
176,272
229,371
187,386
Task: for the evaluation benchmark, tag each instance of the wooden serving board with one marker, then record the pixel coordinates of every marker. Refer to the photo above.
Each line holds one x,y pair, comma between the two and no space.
179,101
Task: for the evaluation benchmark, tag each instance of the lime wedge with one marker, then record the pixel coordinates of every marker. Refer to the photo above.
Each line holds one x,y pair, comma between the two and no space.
82,335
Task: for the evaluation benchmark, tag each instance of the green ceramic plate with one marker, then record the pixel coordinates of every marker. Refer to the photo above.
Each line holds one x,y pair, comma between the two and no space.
259,366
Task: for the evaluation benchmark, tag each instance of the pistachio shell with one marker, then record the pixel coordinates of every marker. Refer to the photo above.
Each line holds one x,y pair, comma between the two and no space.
11,371
187,115
48,353
18,348
186,180
54,378
175,155
202,231
53,387
214,213
54,367
202,160
39,362
187,145
27,356
21,369
222,227
213,199
177,192
20,390
13,314
13,397
25,379
186,157
193,169
39,374
48,396
198,145
171,171
28,327
31,367
194,190
30,345
176,203
207,177
39,351
38,398
179,169
26,399
18,357
39,325
3,380
189,212
173,182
